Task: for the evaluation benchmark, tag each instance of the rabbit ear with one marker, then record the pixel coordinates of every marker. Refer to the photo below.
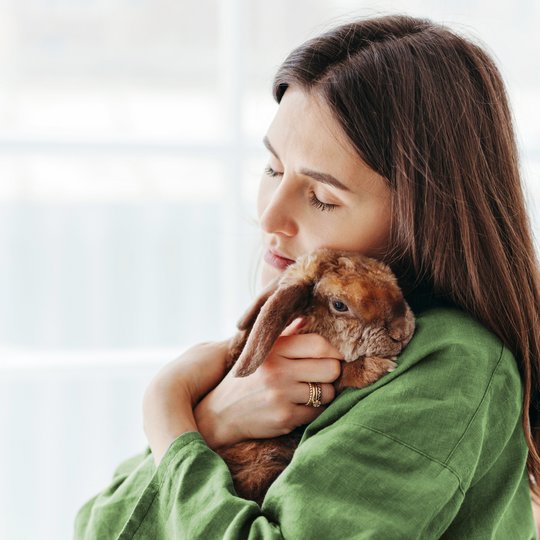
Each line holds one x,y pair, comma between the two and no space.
248,318
287,303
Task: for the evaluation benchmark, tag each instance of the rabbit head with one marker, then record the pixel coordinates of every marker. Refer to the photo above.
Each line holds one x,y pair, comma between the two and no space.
352,300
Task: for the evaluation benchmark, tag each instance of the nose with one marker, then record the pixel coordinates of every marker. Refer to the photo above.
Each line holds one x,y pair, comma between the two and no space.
278,215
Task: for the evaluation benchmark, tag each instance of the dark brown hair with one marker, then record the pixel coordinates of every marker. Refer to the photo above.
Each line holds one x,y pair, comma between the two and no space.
428,110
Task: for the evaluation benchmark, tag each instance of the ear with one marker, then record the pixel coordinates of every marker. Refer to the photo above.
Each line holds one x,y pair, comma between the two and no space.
245,324
248,318
282,307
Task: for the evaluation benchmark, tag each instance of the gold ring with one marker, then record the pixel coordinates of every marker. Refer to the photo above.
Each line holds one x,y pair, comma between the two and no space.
315,395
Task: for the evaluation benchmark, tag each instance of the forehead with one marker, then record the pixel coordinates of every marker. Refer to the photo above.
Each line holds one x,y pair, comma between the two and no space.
304,121
305,133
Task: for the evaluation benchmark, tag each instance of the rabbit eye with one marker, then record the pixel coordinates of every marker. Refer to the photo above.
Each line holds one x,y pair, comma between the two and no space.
339,306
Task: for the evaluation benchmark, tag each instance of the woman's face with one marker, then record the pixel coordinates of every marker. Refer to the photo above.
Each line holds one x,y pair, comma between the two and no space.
316,191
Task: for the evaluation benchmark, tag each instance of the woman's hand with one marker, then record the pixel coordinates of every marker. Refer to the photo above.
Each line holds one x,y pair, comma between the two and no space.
271,401
169,398
267,403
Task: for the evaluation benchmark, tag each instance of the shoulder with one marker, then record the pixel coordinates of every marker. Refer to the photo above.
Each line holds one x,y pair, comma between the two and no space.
449,345
441,327
454,380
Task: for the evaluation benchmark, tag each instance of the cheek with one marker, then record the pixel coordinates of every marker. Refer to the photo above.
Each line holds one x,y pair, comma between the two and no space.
374,239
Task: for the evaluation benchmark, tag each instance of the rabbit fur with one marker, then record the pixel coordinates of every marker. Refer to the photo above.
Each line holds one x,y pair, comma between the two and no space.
373,329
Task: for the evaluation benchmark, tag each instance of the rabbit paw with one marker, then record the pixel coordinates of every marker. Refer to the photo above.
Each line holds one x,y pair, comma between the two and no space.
391,365
364,371
377,367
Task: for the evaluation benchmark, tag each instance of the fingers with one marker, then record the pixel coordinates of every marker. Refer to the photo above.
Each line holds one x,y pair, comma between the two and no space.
305,346
293,327
313,358
323,370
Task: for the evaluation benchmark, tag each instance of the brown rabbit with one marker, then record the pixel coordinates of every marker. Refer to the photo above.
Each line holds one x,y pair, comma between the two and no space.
351,300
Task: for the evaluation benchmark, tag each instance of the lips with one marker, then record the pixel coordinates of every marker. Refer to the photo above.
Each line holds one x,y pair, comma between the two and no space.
276,260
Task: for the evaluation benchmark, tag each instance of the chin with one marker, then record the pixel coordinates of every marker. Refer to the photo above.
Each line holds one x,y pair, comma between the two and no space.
268,273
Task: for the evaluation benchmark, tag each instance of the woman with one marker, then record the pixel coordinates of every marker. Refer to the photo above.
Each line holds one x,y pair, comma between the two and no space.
393,138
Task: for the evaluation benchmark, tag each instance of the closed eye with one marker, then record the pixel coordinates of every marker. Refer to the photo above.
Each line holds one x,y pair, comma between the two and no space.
313,200
270,172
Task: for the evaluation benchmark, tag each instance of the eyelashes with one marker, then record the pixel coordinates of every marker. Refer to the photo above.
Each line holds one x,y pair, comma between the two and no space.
325,207
319,204
270,172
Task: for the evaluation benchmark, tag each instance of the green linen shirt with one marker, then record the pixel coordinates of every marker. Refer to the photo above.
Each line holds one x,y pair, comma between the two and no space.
434,449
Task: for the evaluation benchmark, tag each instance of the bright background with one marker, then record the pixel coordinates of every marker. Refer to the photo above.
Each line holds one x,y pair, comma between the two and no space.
130,152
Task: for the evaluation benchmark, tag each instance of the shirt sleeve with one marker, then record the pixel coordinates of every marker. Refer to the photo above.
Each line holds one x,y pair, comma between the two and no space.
105,513
340,484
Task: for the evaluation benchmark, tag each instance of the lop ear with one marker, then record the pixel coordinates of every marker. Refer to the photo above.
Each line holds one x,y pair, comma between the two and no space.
281,308
248,318
246,322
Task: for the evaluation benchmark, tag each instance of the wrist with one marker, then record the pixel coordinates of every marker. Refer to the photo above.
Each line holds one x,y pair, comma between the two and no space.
160,444
167,414
214,430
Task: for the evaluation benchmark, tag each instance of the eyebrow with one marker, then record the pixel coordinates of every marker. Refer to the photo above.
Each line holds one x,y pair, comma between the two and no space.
319,176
